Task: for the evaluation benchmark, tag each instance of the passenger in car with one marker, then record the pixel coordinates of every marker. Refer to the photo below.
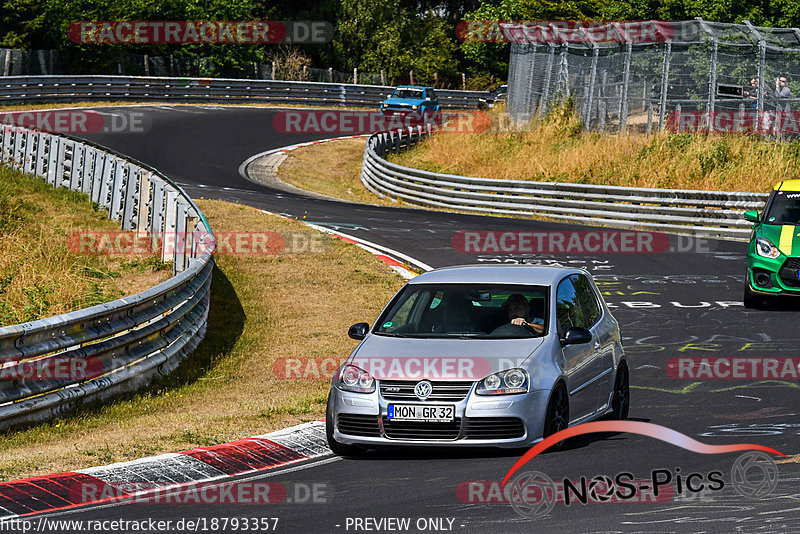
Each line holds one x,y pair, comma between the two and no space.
518,310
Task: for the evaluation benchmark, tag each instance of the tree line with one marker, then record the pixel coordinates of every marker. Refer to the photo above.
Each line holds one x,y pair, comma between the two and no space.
394,36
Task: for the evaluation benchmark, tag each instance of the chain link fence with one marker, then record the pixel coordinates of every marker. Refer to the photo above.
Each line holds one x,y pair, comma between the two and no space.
687,76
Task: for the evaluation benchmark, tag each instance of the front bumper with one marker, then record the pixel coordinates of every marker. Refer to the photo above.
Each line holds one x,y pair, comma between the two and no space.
503,421
783,279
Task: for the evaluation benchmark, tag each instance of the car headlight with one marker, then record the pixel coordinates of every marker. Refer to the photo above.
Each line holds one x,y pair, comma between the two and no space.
765,248
510,382
414,107
386,105
352,378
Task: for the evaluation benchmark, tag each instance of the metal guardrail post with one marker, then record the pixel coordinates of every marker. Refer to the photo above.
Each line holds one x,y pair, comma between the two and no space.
107,183
53,158
18,154
117,190
88,170
157,221
143,211
42,147
170,227
31,143
76,171
181,237
130,197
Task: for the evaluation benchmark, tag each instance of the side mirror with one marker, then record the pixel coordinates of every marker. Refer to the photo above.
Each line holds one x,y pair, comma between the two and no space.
358,331
576,335
751,215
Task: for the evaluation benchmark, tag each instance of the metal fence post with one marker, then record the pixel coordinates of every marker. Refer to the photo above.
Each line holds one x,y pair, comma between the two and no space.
602,104
626,78
712,76
762,60
662,103
588,100
545,100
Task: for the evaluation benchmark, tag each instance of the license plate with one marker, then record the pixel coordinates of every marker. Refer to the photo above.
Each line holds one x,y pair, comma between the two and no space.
417,412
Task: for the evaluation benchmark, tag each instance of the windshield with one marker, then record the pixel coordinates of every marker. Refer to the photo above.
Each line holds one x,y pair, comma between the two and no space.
466,310
407,92
784,208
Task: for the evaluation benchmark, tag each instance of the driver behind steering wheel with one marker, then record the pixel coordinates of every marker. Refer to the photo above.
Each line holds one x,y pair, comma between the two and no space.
518,310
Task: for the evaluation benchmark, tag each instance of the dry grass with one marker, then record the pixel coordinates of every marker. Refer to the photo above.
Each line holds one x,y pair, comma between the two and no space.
263,308
340,163
556,149
39,275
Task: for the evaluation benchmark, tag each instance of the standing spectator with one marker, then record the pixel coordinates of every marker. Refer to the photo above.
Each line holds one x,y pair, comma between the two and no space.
783,95
753,92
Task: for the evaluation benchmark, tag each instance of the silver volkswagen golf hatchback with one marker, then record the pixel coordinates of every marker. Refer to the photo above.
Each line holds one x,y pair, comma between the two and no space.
480,356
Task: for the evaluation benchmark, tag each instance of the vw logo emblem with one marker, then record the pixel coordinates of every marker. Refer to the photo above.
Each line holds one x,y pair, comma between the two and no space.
423,389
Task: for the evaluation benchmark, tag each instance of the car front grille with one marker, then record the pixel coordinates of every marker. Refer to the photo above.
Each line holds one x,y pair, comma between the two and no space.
788,272
441,390
493,428
415,430
358,425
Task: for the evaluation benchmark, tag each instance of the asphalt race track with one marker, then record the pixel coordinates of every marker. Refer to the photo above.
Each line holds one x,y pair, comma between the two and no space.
668,304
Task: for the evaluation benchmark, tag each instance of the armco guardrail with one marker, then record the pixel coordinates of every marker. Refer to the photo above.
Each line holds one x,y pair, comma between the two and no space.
28,89
129,341
701,213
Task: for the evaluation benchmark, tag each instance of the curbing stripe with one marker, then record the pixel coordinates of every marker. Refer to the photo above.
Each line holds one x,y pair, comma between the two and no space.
166,471
245,456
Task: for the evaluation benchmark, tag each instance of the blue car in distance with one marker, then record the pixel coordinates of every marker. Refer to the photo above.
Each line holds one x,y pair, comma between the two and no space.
421,102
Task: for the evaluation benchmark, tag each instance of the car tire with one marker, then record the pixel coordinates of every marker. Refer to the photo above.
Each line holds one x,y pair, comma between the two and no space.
339,449
621,397
750,299
557,415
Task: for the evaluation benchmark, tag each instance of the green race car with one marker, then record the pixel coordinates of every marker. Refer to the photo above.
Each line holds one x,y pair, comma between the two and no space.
773,256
